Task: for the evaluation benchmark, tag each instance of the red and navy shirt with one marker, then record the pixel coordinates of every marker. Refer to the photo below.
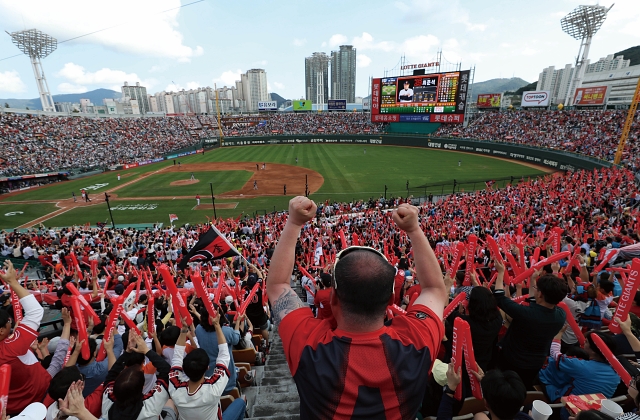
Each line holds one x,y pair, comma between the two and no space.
375,375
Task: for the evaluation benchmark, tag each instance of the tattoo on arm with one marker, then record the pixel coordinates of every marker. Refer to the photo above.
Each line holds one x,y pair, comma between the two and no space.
287,302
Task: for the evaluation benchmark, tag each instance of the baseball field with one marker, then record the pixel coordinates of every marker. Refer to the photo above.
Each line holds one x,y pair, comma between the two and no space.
148,194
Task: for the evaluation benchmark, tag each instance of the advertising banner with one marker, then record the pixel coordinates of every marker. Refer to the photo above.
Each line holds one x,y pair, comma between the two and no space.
489,100
535,98
302,105
267,106
591,96
337,104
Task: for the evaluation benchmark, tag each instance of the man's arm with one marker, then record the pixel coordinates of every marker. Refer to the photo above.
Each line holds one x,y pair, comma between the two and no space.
33,312
434,294
282,297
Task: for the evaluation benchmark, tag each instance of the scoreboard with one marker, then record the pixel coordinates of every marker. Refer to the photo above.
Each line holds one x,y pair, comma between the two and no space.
439,97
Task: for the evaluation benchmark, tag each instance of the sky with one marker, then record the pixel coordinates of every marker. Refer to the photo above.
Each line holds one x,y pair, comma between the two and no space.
167,47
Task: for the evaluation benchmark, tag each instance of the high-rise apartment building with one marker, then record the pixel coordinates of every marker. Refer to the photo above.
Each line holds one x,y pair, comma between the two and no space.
137,93
343,73
254,87
316,77
557,81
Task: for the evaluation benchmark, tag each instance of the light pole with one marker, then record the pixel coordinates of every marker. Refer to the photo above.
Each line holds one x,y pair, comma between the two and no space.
213,200
582,23
106,198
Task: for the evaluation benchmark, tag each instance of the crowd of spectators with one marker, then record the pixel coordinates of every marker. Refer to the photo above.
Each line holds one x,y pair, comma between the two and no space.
593,210
35,144
590,133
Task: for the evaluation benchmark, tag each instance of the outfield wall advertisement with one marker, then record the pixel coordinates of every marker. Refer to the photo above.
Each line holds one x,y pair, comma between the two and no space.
563,161
591,96
535,98
489,100
302,105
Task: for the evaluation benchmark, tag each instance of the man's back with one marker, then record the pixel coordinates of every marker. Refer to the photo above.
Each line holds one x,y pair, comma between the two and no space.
351,375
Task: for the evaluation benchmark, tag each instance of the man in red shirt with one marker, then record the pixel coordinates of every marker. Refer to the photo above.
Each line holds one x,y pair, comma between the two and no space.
323,297
359,368
29,381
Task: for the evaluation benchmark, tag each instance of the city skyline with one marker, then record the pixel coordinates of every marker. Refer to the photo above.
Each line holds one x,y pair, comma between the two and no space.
171,44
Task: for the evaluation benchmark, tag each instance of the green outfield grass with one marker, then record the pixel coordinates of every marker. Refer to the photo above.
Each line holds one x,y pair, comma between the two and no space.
349,173
22,213
159,185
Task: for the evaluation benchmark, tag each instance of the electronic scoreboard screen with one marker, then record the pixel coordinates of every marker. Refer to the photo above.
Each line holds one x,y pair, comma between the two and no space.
439,97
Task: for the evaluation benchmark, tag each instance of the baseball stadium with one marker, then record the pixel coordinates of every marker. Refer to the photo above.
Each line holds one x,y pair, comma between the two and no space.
422,252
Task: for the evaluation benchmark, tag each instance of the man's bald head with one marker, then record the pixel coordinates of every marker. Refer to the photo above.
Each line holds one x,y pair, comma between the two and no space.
364,283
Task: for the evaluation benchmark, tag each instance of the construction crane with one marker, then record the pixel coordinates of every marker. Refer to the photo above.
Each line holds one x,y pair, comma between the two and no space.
627,124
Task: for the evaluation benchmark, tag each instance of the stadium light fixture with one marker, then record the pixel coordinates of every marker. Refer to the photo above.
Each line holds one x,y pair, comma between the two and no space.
37,45
582,24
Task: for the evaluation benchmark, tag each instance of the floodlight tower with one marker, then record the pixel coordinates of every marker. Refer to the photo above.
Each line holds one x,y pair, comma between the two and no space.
37,45
582,24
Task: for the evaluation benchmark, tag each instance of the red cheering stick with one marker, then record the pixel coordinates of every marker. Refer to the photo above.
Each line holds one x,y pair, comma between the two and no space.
520,246
112,323
605,261
84,303
343,240
204,295
396,310
76,265
132,325
221,283
457,255
521,298
82,328
138,286
457,352
247,301
613,360
495,252
454,303
471,253
469,356
5,380
517,270
94,268
305,272
311,292
151,318
519,232
540,264
628,294
178,300
17,308
572,323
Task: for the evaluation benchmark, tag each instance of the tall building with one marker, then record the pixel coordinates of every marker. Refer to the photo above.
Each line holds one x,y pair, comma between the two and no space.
136,93
254,86
343,73
316,77
557,81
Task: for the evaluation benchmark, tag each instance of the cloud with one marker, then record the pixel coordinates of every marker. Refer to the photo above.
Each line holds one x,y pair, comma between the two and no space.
278,85
299,42
260,63
421,10
229,77
71,88
77,76
420,47
365,42
143,31
363,61
337,40
176,87
10,82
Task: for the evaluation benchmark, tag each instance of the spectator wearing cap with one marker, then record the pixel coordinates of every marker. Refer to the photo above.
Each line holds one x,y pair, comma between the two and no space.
207,336
332,365
533,327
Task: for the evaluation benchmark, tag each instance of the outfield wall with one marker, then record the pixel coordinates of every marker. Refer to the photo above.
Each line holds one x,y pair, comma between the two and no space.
563,161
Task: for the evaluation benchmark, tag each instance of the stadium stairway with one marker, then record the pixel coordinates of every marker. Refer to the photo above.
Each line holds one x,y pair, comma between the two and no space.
276,395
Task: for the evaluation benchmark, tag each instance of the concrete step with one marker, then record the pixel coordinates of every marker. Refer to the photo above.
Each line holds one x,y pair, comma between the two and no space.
276,381
277,409
277,398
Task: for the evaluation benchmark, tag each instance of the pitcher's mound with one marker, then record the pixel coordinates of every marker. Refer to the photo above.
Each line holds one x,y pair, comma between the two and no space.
185,182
